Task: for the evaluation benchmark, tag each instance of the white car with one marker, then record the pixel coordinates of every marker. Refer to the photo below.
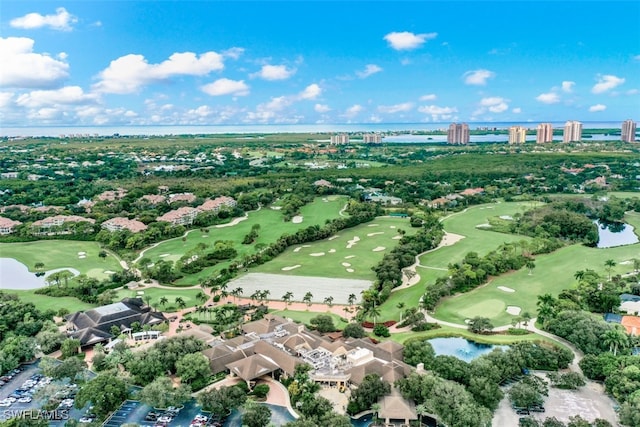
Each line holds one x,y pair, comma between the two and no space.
5,402
26,399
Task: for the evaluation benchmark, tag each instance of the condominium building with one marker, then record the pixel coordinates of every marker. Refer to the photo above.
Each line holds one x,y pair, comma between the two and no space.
458,133
517,135
122,223
544,133
372,138
7,226
342,138
181,216
628,131
572,131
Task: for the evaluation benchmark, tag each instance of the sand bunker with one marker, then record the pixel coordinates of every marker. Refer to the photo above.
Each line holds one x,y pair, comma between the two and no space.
379,248
317,254
505,289
398,237
331,251
375,234
333,237
373,225
276,208
82,253
350,270
164,255
483,225
293,267
82,256
352,242
108,272
392,226
232,223
297,249
349,256
306,246
506,217
346,264
514,310
297,219
625,262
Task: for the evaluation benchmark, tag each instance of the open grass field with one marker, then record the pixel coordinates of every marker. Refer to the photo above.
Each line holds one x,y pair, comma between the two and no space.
80,255
188,296
44,303
349,254
553,273
271,224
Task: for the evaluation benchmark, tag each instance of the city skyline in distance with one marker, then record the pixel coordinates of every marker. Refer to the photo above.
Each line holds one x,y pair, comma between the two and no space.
284,63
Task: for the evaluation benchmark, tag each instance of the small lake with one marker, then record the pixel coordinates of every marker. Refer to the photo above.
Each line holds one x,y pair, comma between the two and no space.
15,275
615,234
461,348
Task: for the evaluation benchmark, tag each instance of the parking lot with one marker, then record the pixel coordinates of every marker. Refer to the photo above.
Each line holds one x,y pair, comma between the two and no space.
135,412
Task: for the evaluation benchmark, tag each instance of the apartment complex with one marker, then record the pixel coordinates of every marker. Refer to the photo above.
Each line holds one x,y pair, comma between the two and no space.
7,225
342,138
572,131
59,224
544,133
628,131
458,133
122,223
372,138
517,135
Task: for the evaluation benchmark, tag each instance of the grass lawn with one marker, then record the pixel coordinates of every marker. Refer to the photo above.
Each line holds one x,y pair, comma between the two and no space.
62,253
553,273
337,260
271,228
44,303
408,296
306,316
188,295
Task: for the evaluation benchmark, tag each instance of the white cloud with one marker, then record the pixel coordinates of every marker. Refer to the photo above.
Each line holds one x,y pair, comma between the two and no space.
310,92
233,53
428,97
632,92
607,82
397,108
369,70
22,68
353,110
597,107
321,108
478,77
68,95
548,98
61,21
567,86
274,72
226,87
129,73
5,99
406,40
517,110
494,104
434,109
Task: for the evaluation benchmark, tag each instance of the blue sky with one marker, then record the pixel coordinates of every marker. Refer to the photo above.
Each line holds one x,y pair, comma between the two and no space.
217,62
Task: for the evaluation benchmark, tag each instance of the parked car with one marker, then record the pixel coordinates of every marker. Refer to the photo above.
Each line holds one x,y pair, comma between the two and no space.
25,399
522,411
536,408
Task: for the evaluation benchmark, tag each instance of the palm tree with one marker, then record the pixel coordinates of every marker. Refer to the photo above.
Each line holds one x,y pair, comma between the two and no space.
236,293
39,265
352,299
373,311
307,298
147,299
375,408
255,296
421,410
163,301
265,294
180,302
579,275
530,265
636,265
201,296
287,297
615,339
329,301
400,306
608,265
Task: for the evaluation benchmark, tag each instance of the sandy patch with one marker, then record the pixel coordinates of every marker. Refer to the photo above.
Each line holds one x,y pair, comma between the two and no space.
297,219
306,246
625,262
297,249
373,225
317,254
485,225
375,234
108,272
352,242
392,226
276,208
346,264
349,256
379,248
350,270
513,310
81,253
506,217
232,223
293,267
505,289
331,251
82,256
164,255
398,237
333,237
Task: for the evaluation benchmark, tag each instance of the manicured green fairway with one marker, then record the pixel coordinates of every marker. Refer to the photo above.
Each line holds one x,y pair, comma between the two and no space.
44,303
336,257
83,256
188,295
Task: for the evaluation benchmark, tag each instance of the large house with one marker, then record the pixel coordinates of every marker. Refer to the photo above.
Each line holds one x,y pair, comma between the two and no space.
58,224
7,225
122,223
181,216
95,326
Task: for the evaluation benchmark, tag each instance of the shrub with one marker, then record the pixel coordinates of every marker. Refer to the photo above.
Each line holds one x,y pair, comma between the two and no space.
381,331
260,391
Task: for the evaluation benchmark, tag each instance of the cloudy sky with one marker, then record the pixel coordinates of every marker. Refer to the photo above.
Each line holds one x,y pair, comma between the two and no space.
218,62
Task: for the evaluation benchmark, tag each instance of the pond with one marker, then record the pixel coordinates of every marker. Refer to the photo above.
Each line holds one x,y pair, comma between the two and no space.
461,348
615,234
279,416
16,275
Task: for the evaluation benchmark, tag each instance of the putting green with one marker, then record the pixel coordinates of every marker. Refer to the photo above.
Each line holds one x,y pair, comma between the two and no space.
488,308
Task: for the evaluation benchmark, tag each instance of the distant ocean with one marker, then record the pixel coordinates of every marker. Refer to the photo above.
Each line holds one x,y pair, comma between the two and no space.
56,131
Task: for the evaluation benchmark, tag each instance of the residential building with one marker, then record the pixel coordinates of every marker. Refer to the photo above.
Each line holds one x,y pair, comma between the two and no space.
372,138
544,133
458,133
342,138
572,131
7,225
181,216
517,135
628,131
182,197
58,224
216,204
94,326
122,223
112,195
154,199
